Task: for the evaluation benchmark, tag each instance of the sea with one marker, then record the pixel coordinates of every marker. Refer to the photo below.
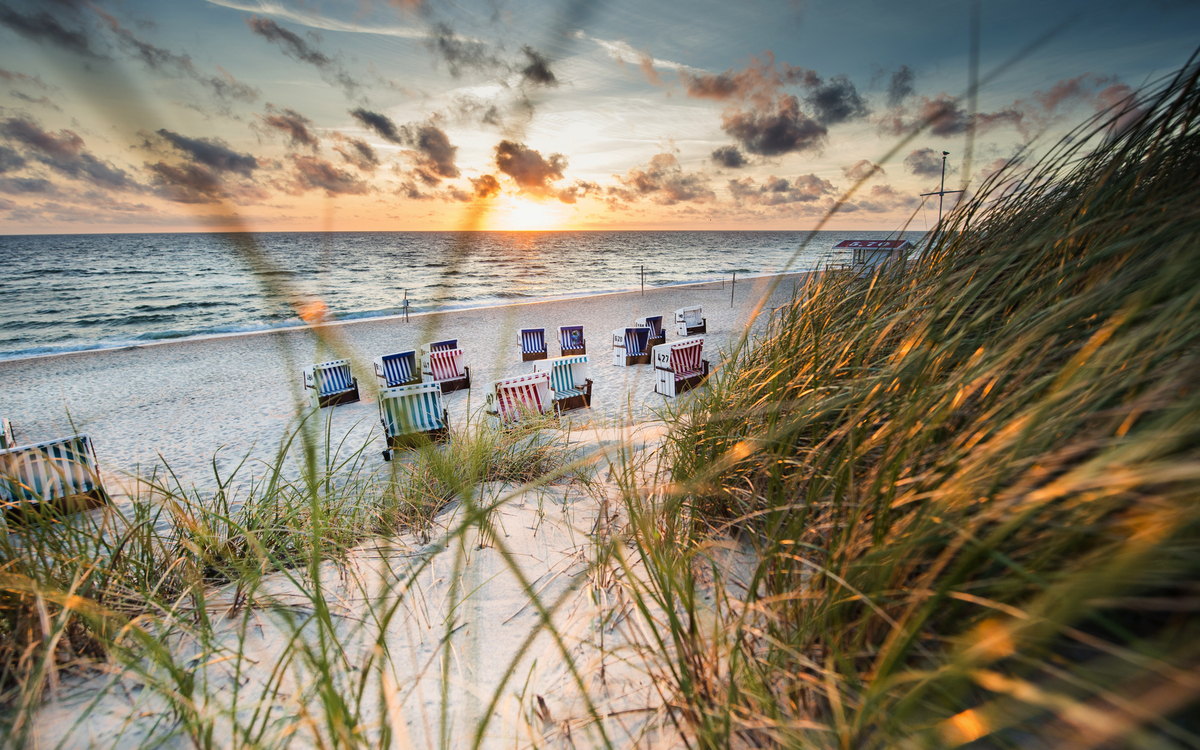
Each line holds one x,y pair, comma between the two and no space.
63,293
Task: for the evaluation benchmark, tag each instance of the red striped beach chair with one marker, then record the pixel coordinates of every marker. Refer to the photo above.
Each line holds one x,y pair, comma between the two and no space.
533,344
679,367
690,320
445,366
571,341
512,399
63,474
412,415
570,387
657,334
394,370
630,346
331,384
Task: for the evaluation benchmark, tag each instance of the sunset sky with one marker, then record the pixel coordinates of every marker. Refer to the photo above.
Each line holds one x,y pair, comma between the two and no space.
134,116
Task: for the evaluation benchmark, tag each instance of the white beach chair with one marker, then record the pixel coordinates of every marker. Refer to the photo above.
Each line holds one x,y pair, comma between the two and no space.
394,370
570,341
63,474
690,320
679,367
657,334
570,386
444,363
8,438
412,415
630,346
511,399
331,384
533,344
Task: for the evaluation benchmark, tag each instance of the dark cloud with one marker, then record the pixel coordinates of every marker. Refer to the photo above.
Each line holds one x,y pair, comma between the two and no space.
381,124
437,154
10,160
461,54
729,156
924,162
485,186
778,191
65,154
27,186
580,189
314,173
900,87
295,47
44,27
664,182
211,152
228,88
357,152
836,101
759,81
777,129
532,173
469,109
186,183
293,124
862,168
538,70
14,77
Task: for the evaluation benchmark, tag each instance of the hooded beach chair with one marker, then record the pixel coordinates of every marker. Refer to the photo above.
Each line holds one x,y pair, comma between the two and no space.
394,370
657,334
331,383
412,415
570,387
570,341
678,366
629,346
511,399
61,473
443,363
533,344
690,320
8,439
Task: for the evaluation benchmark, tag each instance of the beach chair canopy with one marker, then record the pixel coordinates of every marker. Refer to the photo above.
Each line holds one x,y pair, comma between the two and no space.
8,439
568,375
511,398
685,357
440,346
571,339
636,340
411,409
692,316
329,378
533,340
446,364
397,369
49,471
654,323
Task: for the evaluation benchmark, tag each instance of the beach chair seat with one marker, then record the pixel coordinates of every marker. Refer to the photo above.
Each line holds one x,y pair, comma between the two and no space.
658,335
8,438
331,384
393,370
571,341
445,366
690,321
630,346
533,344
679,366
510,400
570,387
412,415
62,474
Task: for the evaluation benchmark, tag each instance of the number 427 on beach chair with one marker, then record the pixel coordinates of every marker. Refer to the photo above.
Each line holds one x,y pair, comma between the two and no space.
63,474
678,366
412,415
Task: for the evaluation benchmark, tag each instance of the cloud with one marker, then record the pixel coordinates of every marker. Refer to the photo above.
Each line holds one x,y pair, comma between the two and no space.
43,27
778,191
295,47
882,199
664,182
187,183
357,152
461,54
729,156
381,124
862,168
532,173
14,77
10,160
485,186
924,162
759,81
579,189
213,153
293,124
65,154
900,87
314,173
27,186
538,70
836,101
646,64
946,117
777,129
434,154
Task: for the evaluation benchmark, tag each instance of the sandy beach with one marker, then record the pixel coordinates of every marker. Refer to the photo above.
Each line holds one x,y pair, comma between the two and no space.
238,395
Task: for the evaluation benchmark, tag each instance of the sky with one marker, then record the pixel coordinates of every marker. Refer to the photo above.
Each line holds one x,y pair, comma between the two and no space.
411,115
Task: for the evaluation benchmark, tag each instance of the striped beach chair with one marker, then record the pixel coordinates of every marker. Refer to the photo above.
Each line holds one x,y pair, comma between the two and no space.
412,415
533,344
690,320
62,474
512,399
8,438
445,366
630,346
571,341
570,386
679,366
331,384
393,370
657,334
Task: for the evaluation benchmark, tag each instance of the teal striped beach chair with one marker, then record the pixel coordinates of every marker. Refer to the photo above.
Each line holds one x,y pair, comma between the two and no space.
8,438
62,474
571,341
331,383
657,334
412,415
533,344
570,387
394,370
630,346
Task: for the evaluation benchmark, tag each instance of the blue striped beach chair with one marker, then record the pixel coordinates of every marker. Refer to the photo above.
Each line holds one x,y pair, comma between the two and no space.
570,387
533,344
8,438
62,474
444,363
412,415
629,346
657,334
331,383
679,366
394,370
690,320
440,346
510,400
571,341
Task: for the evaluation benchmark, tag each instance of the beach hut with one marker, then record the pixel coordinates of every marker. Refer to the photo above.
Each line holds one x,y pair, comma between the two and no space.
412,415
393,370
629,346
869,255
331,383
679,366
62,473
570,341
511,399
690,321
445,366
533,344
570,386
658,335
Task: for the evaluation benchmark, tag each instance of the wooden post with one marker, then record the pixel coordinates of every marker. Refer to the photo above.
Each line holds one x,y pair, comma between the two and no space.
405,305
732,286
643,280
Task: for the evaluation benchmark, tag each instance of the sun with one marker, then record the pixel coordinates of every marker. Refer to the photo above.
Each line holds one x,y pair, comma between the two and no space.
512,214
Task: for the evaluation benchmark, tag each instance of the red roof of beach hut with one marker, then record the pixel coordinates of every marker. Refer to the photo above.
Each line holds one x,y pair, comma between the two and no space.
871,245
